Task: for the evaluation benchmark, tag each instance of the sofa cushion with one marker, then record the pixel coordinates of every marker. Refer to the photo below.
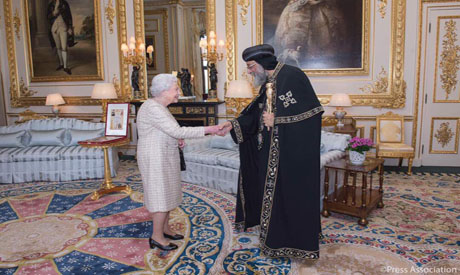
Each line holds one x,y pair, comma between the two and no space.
6,154
78,152
47,137
36,153
333,141
225,142
78,135
12,139
14,128
52,123
203,156
229,158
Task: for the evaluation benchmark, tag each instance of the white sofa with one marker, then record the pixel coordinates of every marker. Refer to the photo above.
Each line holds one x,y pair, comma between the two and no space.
47,150
214,161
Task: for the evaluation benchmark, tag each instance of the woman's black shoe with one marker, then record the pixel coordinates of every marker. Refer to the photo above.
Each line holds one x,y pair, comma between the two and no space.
168,247
174,237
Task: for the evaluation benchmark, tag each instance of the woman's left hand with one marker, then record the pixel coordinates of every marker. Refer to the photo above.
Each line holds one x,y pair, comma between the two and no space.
181,143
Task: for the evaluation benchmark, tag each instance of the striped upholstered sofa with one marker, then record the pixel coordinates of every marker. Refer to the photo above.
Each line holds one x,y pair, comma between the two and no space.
214,161
47,150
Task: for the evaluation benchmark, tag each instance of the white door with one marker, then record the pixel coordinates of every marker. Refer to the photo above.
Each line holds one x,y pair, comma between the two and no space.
440,84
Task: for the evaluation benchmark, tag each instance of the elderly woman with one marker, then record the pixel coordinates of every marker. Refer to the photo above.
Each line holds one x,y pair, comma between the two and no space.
158,156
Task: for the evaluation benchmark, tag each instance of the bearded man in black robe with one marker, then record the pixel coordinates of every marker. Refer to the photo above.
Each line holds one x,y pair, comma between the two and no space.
279,183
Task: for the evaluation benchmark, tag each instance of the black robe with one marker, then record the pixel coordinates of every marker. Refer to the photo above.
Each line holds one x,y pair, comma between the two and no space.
279,182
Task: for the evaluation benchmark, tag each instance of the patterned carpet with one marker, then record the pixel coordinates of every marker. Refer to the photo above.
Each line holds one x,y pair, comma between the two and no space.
54,228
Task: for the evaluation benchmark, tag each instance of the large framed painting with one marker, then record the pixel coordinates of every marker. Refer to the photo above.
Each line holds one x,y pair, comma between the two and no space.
63,40
318,36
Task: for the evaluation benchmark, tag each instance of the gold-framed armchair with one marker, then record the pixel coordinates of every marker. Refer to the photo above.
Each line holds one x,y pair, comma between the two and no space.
390,139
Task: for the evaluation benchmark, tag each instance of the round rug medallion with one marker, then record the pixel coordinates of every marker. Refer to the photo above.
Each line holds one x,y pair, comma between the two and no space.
34,238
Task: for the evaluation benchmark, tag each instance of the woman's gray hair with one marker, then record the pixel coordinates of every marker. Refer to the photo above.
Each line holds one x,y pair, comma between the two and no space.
161,83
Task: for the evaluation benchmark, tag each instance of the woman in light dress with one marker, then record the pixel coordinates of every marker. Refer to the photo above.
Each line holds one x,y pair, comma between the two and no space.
158,156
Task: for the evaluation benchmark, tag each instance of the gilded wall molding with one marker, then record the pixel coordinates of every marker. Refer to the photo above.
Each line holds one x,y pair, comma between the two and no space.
24,89
364,70
450,58
244,4
395,96
444,134
379,86
20,93
140,33
126,89
231,35
110,15
17,24
11,50
382,6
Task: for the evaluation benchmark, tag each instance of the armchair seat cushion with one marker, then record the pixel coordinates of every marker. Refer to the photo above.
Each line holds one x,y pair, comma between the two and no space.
37,153
203,155
397,147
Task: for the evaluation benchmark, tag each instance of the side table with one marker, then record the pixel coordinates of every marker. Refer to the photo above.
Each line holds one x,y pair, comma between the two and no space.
105,143
346,129
348,199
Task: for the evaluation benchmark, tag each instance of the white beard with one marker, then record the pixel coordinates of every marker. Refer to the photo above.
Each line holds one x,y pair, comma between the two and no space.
259,78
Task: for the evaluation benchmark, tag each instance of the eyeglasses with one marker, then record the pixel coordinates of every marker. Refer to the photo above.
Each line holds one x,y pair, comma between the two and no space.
250,66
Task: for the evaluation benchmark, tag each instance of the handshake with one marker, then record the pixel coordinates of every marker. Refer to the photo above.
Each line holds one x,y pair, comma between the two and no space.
220,130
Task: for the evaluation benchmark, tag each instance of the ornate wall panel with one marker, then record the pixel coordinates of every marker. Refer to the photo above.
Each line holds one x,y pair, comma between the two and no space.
75,89
447,71
370,94
444,135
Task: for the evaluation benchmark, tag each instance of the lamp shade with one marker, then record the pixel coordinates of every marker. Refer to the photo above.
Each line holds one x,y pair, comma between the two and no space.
104,91
239,89
54,99
340,100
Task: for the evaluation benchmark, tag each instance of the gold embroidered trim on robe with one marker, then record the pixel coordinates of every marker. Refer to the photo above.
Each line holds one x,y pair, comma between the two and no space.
239,134
299,117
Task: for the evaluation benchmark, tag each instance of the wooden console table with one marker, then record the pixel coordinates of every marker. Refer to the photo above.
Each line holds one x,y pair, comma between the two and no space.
348,199
105,143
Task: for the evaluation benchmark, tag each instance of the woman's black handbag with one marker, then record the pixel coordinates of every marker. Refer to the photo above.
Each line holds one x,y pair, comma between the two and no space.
182,160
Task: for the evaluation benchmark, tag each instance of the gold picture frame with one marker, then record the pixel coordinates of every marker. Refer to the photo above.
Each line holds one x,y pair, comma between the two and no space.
395,95
42,61
344,64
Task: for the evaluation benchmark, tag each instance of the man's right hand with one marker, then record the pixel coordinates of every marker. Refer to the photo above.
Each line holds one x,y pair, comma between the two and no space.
225,128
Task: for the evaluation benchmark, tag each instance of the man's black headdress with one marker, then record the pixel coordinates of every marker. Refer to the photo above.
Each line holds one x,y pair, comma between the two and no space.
263,54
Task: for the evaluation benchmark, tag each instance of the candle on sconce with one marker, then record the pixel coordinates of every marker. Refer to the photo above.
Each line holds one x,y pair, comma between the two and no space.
150,51
142,48
221,44
132,40
124,49
212,42
132,47
212,34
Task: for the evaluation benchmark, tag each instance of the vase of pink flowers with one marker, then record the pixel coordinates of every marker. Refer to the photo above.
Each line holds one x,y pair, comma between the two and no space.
357,148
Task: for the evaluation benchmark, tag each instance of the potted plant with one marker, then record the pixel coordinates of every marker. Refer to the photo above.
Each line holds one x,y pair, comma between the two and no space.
358,148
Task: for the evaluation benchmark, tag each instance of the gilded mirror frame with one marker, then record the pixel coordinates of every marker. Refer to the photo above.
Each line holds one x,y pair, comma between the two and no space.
140,32
394,95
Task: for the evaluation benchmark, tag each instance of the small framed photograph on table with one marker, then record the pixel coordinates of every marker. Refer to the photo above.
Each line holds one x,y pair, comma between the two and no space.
117,119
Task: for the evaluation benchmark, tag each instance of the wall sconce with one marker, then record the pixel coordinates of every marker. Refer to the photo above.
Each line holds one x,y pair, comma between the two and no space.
55,100
239,95
134,53
104,91
210,50
340,101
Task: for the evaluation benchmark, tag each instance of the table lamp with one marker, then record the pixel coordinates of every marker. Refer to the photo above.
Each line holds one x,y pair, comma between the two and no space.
55,100
104,91
340,101
239,91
